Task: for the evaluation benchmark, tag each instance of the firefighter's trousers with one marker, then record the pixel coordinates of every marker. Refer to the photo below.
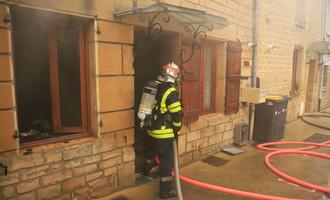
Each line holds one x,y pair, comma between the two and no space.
162,148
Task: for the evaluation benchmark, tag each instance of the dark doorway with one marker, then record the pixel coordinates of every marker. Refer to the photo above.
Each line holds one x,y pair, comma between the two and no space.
149,55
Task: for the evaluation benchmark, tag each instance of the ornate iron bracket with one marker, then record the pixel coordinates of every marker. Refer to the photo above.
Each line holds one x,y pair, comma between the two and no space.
154,28
193,42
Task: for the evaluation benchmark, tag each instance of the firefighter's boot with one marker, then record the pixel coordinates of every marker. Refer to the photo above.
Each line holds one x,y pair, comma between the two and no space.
166,190
147,166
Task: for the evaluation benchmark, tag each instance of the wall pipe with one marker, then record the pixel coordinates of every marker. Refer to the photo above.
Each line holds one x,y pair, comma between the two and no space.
254,62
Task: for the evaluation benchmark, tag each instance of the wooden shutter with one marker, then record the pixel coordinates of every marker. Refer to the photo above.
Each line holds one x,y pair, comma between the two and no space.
191,85
294,86
233,75
8,123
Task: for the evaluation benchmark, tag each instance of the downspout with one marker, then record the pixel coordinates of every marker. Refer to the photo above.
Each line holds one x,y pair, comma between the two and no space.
322,56
255,33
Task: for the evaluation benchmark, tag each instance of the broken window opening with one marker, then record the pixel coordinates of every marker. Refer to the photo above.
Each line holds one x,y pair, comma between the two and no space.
50,74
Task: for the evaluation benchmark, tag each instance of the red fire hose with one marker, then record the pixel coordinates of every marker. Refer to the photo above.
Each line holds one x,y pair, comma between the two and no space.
276,151
228,190
294,180
264,146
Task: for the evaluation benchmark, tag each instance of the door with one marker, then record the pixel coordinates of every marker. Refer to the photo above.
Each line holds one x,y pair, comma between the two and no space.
311,96
149,56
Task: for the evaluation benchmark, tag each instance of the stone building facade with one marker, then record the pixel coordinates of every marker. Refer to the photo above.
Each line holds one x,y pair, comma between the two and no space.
103,161
284,28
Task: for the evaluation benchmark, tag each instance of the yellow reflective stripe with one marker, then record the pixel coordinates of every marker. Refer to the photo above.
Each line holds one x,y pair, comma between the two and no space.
163,108
173,105
162,136
176,123
161,131
177,109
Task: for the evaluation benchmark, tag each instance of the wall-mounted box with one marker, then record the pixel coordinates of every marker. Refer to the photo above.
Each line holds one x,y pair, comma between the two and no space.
252,95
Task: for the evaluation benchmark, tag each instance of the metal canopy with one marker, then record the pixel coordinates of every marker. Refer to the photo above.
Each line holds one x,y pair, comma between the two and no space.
197,22
321,47
189,18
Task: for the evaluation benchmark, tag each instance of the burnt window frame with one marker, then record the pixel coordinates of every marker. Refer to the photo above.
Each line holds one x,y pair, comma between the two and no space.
64,134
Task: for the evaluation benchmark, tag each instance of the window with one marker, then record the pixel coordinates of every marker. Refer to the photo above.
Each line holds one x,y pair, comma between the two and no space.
199,80
208,77
50,74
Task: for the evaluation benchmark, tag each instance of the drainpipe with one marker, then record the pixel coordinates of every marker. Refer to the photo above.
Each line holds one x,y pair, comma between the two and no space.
255,22
322,56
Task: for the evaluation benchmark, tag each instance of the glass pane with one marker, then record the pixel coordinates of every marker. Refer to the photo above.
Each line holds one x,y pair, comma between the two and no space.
207,73
69,77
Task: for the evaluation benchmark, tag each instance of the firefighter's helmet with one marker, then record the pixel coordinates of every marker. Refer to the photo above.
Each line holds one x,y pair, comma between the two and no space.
170,71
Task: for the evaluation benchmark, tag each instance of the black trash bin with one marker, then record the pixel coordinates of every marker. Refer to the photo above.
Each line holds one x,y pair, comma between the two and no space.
269,120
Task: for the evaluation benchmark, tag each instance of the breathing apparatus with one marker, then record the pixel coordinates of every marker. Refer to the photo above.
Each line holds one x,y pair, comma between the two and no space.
169,73
147,102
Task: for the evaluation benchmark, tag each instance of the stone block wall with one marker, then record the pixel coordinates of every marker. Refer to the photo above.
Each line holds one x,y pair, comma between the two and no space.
81,169
208,135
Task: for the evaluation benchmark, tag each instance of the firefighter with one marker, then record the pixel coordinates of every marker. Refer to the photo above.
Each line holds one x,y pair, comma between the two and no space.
166,124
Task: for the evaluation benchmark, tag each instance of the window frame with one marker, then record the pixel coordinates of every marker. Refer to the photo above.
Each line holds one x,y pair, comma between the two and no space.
84,41
211,109
55,96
